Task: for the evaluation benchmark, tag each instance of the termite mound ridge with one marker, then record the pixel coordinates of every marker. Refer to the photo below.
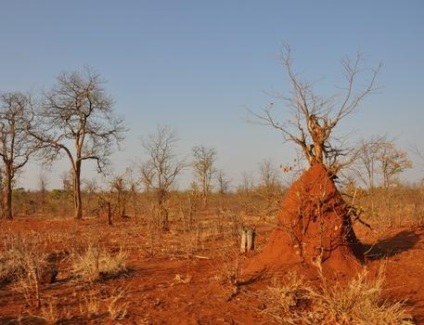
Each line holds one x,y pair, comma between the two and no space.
314,231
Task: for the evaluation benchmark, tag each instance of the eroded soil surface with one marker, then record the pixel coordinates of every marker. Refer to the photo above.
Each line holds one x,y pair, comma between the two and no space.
178,278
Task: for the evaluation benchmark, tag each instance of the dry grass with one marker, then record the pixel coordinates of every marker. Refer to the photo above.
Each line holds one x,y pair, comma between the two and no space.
361,302
96,263
23,262
117,307
213,233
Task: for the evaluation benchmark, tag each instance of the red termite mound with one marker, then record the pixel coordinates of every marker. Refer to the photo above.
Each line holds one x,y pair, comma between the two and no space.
314,230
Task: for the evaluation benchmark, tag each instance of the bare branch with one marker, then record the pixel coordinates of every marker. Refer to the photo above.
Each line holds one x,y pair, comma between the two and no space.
313,117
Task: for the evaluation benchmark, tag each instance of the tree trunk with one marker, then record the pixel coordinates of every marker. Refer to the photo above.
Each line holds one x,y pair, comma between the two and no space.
7,193
247,239
205,192
109,214
163,212
77,192
250,234
318,152
243,240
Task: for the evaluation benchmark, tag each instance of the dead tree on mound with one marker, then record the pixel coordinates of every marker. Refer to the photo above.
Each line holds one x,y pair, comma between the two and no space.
314,117
314,223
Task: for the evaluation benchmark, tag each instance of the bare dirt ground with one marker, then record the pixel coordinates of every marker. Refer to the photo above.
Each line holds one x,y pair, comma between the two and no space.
178,278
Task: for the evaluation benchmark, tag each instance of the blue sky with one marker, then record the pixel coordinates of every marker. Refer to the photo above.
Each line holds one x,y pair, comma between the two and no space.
197,66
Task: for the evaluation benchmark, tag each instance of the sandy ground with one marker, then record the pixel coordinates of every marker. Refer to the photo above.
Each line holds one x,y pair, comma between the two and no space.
171,283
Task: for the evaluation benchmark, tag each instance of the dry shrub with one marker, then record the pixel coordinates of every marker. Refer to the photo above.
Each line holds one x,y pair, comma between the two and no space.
230,271
9,267
12,257
360,302
96,263
24,263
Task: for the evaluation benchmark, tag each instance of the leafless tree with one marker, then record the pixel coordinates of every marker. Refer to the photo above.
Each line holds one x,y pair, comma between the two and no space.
78,121
223,182
16,145
269,180
392,162
113,201
268,174
119,187
314,117
66,178
367,161
43,181
380,158
203,166
248,183
159,172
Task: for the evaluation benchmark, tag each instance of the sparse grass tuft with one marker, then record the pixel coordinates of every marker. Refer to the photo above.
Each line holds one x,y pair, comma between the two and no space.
96,263
50,312
90,304
360,302
117,306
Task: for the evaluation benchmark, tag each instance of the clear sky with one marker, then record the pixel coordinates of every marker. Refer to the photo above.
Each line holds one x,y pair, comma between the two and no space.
197,66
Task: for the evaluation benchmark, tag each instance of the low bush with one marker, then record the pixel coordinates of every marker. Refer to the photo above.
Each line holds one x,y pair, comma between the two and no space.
96,263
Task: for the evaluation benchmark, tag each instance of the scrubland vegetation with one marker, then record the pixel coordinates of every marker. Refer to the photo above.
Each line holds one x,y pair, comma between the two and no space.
138,250
57,270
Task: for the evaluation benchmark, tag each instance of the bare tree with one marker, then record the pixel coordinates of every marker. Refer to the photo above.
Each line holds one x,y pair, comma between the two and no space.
16,145
380,159
366,166
78,121
119,187
247,183
113,201
392,163
43,181
66,178
269,180
203,166
159,172
368,160
223,182
314,117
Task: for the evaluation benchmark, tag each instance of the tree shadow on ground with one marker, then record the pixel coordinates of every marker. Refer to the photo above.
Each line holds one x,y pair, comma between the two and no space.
391,246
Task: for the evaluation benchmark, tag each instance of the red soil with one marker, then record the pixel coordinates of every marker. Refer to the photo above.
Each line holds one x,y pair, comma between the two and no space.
177,287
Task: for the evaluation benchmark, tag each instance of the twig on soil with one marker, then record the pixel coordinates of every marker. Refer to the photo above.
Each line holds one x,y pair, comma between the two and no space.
191,256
